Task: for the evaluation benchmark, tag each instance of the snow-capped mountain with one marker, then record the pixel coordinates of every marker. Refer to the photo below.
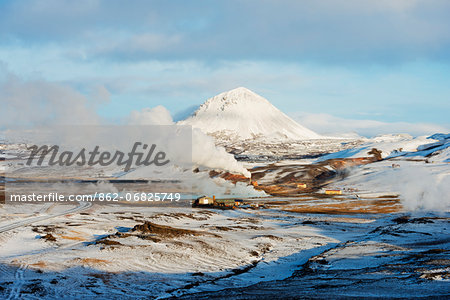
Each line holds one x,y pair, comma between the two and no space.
241,114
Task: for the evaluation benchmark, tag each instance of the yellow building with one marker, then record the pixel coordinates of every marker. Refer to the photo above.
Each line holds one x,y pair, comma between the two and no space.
205,201
333,192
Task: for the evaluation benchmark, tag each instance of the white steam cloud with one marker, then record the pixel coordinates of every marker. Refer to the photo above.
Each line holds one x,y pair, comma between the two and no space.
204,151
158,115
202,184
422,189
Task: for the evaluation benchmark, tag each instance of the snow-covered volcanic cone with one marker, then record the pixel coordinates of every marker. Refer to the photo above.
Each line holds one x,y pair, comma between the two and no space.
242,114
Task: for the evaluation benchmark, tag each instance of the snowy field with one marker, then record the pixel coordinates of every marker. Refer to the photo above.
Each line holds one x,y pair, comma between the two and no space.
386,235
94,251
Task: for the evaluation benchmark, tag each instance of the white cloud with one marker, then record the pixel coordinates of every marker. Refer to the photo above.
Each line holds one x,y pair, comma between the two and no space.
338,31
332,125
42,103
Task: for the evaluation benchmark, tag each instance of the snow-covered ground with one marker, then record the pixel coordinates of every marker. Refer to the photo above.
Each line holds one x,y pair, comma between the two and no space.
396,145
310,245
219,246
306,246
95,252
392,256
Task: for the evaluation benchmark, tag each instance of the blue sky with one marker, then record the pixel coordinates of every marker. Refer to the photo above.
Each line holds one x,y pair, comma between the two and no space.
365,66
